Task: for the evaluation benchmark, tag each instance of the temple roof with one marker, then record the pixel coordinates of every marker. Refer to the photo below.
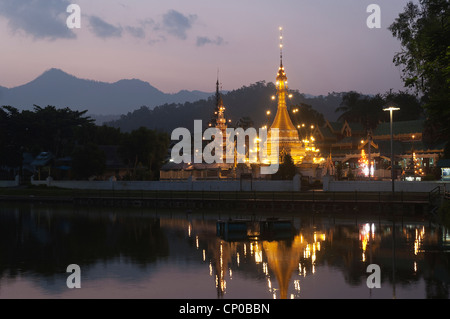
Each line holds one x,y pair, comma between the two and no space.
283,121
401,127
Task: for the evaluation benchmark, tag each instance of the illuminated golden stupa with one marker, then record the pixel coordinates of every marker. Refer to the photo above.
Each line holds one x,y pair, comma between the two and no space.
288,139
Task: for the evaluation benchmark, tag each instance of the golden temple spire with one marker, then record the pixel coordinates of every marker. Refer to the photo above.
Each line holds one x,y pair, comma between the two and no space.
282,120
288,140
221,121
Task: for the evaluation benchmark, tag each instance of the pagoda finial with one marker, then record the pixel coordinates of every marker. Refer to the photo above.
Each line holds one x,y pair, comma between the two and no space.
218,97
281,46
281,76
217,83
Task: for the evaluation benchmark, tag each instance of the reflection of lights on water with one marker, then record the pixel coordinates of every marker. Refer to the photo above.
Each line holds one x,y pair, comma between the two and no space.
222,284
220,279
221,260
189,230
258,257
309,246
419,235
265,269
307,252
305,247
418,240
365,231
313,256
256,250
297,285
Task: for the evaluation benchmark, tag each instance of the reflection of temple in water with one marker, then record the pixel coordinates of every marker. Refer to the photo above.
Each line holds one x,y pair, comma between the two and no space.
412,255
283,259
349,247
276,258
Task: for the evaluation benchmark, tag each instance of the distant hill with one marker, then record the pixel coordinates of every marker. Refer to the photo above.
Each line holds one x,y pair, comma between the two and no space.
249,101
58,88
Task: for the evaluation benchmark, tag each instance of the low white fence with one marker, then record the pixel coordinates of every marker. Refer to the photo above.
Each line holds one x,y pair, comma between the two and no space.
383,186
329,185
185,185
14,183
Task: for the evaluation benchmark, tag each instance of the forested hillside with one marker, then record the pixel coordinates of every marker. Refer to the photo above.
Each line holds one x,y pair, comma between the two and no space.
247,102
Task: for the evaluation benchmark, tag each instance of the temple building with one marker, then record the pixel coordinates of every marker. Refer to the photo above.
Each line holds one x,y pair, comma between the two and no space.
222,170
282,133
351,145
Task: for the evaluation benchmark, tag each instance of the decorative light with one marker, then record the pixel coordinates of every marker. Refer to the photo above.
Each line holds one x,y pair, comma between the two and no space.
364,164
391,108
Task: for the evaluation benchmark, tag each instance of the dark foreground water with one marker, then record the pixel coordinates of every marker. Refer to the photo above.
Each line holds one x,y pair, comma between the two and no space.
137,253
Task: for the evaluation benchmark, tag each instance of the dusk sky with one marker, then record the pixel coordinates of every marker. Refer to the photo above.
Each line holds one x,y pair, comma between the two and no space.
179,44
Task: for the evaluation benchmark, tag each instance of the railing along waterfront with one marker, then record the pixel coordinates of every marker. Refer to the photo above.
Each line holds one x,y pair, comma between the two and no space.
317,200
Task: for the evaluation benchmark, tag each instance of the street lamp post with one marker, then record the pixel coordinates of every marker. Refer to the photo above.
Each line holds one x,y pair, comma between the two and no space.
392,108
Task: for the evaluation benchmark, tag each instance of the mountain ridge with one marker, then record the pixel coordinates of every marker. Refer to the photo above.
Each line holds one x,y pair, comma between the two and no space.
58,88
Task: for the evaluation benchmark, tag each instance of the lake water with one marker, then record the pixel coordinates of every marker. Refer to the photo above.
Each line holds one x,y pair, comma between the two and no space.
175,254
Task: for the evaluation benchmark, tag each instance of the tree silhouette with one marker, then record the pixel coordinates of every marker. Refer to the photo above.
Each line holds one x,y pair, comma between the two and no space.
423,29
368,110
287,169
